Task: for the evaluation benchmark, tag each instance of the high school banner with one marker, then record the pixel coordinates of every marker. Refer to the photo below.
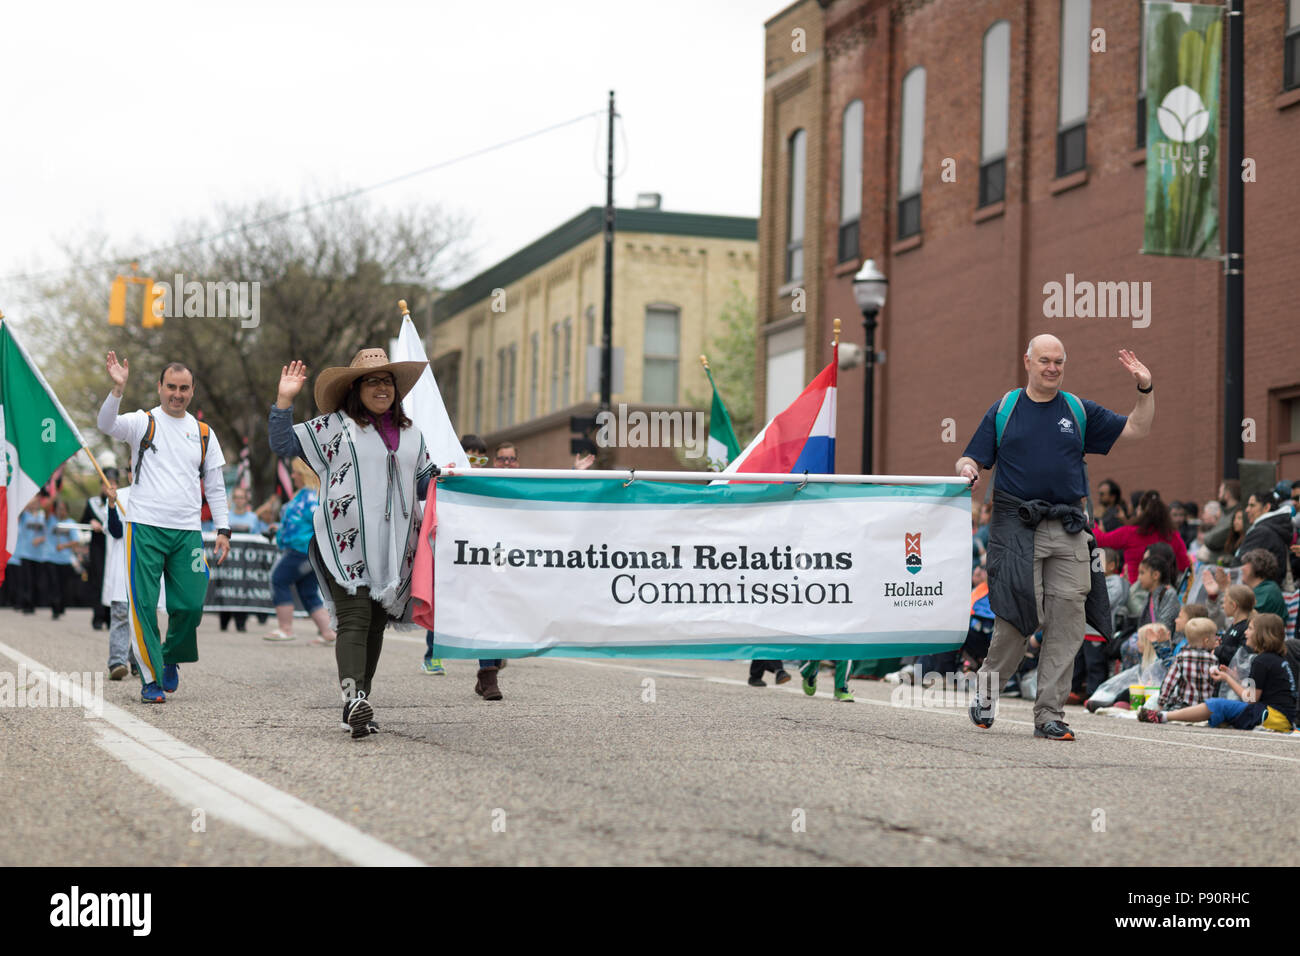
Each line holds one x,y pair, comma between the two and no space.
242,582
605,568
1184,43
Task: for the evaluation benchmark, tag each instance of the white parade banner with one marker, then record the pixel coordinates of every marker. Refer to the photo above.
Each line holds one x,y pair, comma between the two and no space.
647,569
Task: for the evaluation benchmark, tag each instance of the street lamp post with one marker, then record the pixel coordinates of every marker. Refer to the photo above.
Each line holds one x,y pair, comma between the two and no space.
869,289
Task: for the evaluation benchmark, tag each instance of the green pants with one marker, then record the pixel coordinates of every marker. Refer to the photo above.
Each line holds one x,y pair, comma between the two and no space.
810,668
154,554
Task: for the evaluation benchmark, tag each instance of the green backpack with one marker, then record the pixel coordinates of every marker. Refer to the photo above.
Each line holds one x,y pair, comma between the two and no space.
1008,404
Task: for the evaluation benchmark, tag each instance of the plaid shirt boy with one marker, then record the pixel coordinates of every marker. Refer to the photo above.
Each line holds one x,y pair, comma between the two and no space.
1188,681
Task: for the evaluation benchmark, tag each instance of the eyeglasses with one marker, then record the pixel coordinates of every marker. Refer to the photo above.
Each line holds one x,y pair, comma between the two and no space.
375,381
508,459
477,461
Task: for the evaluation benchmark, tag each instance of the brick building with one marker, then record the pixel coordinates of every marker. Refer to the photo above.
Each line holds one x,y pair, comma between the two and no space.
952,142
511,346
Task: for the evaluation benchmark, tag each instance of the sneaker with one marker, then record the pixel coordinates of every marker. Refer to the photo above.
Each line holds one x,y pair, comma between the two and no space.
117,672
357,715
810,685
152,694
1074,700
981,714
1094,705
433,666
276,635
1151,716
782,677
844,694
757,682
1054,730
171,678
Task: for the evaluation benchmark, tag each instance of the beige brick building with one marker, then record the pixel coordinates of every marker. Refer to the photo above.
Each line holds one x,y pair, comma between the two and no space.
510,347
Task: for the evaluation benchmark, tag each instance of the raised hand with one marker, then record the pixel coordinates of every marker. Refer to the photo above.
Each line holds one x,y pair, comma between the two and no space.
118,372
292,378
1141,374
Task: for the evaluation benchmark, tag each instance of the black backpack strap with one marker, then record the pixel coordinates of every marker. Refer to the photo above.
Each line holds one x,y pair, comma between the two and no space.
145,443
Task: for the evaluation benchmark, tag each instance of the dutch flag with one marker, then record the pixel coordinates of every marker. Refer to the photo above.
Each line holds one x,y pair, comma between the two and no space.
801,438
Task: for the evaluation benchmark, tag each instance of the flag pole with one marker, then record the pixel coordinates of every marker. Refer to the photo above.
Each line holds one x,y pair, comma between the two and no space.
104,478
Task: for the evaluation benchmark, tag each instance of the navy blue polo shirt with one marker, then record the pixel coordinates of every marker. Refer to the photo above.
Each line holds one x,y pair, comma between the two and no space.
1041,456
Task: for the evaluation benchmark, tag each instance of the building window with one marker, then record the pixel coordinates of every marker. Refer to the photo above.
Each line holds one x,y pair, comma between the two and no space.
1291,58
795,207
911,146
850,181
784,369
1072,114
1142,77
501,388
591,325
534,347
662,348
555,366
513,357
995,108
478,396
566,383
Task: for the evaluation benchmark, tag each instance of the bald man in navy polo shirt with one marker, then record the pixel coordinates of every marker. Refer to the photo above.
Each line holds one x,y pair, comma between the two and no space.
1038,538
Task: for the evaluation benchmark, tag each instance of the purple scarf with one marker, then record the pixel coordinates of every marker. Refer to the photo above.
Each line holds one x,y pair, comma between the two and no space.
386,425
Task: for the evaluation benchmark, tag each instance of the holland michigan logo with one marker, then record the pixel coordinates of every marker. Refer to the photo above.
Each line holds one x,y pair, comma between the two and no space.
912,547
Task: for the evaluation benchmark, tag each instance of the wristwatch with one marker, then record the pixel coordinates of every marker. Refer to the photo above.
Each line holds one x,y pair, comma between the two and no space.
225,531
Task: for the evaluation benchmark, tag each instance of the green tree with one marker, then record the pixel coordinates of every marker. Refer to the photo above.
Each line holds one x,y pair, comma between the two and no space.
329,281
731,357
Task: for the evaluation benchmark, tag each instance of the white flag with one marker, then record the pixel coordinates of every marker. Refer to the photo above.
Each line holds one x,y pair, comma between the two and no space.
423,404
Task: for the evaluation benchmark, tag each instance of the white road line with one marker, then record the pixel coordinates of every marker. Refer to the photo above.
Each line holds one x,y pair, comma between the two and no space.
199,779
928,710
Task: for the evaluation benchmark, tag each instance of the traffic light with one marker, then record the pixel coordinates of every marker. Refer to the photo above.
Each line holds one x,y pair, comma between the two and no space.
152,314
117,302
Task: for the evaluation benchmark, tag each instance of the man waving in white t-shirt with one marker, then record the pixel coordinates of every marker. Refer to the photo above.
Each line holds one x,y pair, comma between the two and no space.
177,460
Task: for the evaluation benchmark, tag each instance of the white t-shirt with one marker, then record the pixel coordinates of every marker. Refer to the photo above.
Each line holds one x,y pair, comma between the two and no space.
166,493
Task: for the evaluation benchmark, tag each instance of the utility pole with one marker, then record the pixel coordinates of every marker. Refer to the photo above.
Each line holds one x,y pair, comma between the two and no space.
1234,262
607,319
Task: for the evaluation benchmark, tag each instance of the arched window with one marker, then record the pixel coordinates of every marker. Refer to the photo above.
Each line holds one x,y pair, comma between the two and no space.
911,147
795,206
995,111
1291,56
1072,122
850,181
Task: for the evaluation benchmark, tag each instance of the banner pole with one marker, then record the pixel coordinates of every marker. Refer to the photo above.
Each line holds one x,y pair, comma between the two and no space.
1234,262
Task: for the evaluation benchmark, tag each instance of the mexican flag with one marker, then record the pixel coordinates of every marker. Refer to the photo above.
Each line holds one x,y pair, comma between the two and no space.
723,447
35,432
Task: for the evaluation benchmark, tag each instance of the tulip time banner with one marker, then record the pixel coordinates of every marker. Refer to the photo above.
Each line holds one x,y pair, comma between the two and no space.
1184,43
602,567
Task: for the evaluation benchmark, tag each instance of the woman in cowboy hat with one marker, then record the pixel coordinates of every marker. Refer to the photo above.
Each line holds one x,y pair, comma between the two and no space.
373,471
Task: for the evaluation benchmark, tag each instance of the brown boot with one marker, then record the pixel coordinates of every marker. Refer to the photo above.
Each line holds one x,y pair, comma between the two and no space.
486,685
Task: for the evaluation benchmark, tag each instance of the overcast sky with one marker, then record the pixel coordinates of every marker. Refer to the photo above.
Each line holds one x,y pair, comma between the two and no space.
129,118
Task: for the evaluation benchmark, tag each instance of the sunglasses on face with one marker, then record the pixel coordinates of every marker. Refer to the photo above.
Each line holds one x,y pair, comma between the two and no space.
477,461
507,459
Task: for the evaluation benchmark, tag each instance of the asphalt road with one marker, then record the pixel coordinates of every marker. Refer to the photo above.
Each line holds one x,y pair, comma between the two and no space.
584,762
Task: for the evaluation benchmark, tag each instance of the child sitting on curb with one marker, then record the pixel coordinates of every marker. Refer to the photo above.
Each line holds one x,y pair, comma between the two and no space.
1238,603
1268,698
1188,681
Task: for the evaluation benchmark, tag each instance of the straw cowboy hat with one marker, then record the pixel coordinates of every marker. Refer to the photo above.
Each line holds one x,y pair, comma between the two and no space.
332,384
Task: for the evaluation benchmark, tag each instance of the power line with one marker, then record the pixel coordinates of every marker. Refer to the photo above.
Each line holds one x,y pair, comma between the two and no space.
281,217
